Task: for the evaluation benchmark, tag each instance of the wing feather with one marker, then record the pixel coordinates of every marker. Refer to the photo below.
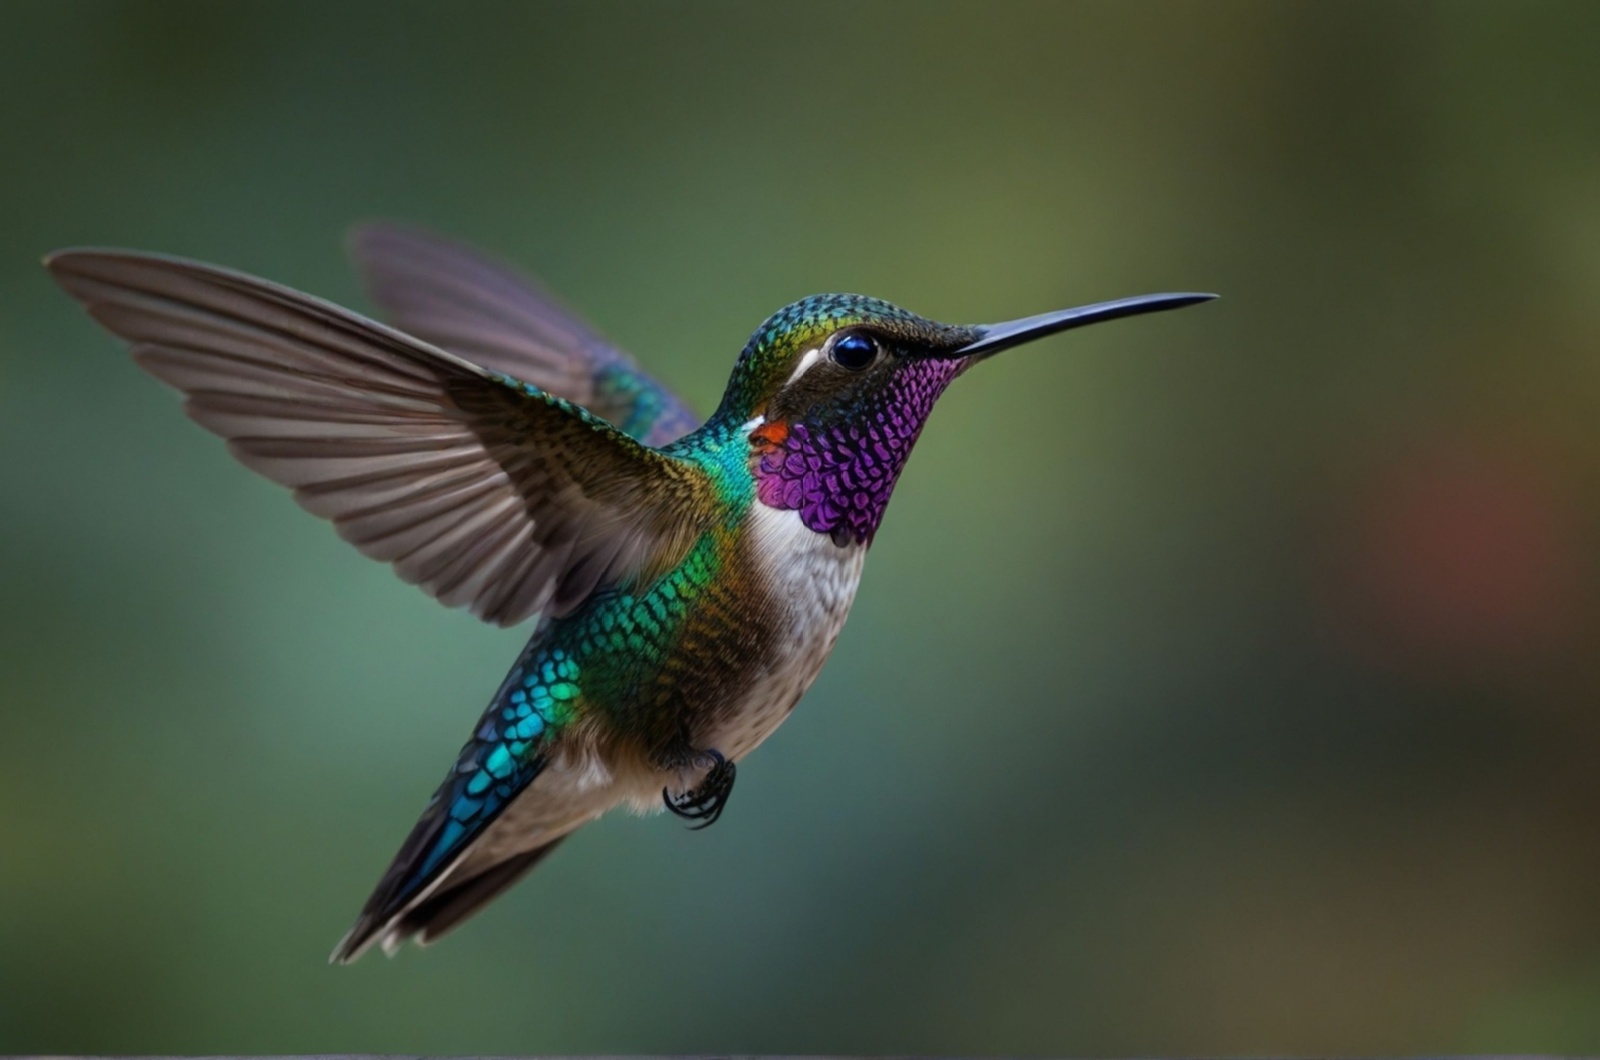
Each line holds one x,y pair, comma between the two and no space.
484,310
488,494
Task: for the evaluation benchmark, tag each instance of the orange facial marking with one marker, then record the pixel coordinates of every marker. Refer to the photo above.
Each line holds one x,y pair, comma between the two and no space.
770,434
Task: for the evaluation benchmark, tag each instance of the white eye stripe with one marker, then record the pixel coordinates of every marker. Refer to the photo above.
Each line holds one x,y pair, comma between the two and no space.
807,359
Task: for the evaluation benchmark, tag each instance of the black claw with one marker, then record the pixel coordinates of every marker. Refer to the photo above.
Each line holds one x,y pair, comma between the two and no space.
706,802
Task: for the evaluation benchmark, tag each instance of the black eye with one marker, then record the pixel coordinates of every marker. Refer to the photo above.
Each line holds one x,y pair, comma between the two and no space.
854,351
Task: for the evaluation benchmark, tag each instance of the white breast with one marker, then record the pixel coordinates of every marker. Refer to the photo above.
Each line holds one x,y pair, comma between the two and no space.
814,581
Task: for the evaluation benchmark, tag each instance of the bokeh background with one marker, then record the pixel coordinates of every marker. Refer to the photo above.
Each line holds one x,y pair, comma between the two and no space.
1222,682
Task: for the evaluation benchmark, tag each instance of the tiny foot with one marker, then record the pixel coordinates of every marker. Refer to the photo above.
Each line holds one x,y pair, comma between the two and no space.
706,802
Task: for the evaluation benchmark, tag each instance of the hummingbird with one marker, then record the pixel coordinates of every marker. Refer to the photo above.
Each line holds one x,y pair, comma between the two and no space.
688,578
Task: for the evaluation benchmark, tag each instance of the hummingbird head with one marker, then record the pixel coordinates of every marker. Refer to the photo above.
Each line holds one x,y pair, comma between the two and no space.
832,391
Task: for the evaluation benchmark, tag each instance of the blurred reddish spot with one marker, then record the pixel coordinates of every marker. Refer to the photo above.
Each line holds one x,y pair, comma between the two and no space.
1460,554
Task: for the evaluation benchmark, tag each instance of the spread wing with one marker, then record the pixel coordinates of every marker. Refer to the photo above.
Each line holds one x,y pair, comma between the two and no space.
487,493
487,312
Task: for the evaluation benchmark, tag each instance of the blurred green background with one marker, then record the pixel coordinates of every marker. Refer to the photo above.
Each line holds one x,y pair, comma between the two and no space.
1222,682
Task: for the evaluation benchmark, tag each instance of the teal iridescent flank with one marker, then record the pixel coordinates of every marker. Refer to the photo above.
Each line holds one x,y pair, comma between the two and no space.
502,758
596,659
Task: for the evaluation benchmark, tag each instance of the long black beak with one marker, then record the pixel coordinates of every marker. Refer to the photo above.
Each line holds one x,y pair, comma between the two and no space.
992,338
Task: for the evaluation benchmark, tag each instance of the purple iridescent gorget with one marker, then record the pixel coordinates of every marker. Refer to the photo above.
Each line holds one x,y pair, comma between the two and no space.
839,469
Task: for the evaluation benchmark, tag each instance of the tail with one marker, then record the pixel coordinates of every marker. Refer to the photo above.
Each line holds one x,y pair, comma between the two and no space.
439,911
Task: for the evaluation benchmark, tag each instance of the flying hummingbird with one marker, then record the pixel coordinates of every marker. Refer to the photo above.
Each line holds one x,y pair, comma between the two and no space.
689,578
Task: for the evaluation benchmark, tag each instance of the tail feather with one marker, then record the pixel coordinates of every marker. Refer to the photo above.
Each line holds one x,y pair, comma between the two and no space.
440,911
444,910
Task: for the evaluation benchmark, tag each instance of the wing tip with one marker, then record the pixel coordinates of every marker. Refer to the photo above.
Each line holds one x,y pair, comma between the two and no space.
67,261
360,233
363,234
58,259
86,271
82,272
